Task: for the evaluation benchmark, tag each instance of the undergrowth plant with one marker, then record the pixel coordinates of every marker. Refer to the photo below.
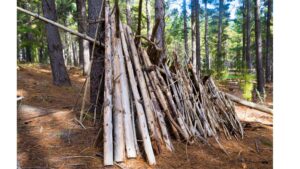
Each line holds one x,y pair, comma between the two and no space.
247,85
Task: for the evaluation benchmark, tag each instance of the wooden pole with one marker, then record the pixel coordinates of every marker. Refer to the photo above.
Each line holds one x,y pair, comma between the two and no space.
83,36
107,116
118,121
128,127
142,123
142,85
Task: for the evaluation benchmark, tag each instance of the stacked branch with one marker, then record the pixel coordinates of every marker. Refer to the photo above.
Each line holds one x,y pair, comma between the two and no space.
151,104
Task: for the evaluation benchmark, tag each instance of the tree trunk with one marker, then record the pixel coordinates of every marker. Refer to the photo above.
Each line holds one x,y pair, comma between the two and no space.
193,20
29,47
97,66
59,72
259,66
248,36
84,53
268,43
128,12
198,49
18,48
75,56
160,33
139,26
219,48
185,31
23,54
148,18
41,54
206,38
244,35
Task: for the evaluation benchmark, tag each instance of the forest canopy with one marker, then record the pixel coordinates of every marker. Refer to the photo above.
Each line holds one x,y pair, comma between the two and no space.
217,36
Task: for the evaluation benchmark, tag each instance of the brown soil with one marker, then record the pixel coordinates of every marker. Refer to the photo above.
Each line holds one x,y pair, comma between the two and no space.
56,140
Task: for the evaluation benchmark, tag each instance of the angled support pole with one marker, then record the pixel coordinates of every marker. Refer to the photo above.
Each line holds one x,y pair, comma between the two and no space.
83,36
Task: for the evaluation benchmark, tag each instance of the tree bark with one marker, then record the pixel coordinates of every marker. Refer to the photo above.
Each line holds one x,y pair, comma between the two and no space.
185,31
128,12
244,33
248,36
193,25
148,18
139,26
219,48
97,66
258,43
29,37
208,65
84,53
198,49
75,55
59,72
268,43
160,33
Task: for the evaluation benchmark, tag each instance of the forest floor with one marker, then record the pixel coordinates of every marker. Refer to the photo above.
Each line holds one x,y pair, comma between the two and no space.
49,137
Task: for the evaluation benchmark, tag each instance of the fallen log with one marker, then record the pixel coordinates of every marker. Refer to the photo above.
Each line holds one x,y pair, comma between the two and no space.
249,104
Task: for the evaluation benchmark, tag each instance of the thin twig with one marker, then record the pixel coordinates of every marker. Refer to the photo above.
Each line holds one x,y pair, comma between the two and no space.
68,157
79,123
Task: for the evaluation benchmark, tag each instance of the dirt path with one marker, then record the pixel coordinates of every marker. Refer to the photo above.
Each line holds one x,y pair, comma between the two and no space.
55,140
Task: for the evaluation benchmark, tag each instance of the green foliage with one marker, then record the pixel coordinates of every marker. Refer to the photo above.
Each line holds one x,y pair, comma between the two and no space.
247,85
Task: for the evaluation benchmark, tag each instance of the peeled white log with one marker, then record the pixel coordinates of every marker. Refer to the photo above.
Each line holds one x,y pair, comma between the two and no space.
129,137
142,123
118,120
142,86
107,116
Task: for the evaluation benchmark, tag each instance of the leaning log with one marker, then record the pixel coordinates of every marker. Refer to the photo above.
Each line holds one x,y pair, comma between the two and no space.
107,116
142,123
128,127
83,36
249,104
118,121
142,85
